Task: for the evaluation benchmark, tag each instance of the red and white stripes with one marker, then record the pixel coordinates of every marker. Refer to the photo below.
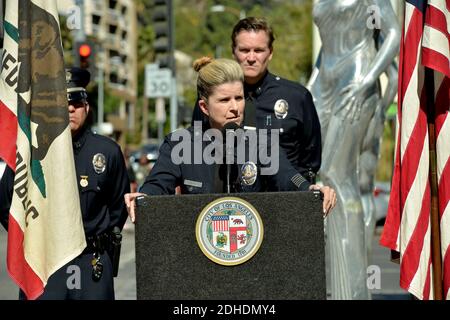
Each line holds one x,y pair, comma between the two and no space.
425,43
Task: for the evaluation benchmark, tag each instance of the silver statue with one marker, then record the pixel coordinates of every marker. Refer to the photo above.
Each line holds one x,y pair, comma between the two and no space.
360,40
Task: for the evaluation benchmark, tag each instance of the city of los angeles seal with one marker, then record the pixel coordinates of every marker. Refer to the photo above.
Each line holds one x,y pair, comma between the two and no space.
229,231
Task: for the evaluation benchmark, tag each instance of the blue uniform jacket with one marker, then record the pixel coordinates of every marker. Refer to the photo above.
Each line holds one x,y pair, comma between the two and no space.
196,178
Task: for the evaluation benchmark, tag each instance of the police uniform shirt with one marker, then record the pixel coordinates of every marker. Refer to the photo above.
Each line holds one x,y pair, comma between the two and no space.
287,106
204,178
102,180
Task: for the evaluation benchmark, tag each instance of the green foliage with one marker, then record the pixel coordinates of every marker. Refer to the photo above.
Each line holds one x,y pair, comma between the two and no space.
293,40
386,161
200,32
111,102
67,41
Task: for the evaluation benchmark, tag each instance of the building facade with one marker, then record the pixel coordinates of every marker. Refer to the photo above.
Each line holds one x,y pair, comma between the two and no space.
113,26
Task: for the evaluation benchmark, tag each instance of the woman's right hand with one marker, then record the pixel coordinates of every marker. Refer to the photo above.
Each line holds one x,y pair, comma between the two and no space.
131,203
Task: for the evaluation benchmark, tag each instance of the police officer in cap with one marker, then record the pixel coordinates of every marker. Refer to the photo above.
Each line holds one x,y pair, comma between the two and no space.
102,182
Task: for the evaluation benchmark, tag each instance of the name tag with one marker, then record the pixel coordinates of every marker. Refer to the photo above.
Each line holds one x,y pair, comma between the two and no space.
192,183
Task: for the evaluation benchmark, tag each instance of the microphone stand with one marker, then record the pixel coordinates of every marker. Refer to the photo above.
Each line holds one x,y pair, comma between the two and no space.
228,153
228,178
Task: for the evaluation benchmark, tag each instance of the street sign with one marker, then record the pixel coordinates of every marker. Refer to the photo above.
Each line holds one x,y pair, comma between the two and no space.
158,82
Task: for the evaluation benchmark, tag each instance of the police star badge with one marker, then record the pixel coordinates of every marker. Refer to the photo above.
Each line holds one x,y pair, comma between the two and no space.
281,108
229,231
99,163
249,172
84,181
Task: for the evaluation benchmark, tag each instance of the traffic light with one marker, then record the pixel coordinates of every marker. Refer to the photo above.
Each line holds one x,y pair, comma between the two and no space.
85,56
164,40
84,51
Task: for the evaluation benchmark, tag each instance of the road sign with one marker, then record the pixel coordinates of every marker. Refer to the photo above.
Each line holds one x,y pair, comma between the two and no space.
158,82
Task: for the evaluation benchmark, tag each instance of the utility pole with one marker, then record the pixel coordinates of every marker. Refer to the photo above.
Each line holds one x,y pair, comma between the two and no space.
174,93
101,98
164,45
80,35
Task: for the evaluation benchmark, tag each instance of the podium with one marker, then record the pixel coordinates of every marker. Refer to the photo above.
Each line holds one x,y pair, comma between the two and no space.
288,265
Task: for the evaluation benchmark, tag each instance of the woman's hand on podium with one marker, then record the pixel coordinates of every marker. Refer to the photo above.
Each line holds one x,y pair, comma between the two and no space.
131,203
329,197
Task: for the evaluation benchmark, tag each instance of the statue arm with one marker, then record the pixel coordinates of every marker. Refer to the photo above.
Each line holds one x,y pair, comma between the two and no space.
390,46
392,86
313,81
353,95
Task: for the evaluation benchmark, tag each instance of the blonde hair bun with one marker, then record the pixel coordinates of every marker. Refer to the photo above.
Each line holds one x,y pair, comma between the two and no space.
201,62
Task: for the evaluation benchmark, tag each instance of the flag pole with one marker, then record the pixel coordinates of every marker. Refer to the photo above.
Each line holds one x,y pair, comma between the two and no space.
434,214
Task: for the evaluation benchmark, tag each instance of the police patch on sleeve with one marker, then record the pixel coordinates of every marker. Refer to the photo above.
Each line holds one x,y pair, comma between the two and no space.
229,231
249,173
281,108
99,163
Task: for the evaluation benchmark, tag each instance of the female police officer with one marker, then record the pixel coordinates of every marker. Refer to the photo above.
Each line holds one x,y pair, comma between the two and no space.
220,88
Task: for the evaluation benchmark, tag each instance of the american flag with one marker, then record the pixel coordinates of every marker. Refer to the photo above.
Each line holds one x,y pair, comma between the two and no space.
220,223
424,80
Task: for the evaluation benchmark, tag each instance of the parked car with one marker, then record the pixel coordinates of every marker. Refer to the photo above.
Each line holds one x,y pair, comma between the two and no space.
150,151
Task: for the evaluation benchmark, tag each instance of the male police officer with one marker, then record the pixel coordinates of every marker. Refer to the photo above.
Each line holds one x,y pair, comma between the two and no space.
102,182
273,102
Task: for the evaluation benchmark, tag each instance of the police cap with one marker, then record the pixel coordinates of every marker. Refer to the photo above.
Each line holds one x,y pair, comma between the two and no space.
77,79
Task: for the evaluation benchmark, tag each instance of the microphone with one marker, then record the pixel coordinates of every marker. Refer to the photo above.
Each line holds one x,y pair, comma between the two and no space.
229,151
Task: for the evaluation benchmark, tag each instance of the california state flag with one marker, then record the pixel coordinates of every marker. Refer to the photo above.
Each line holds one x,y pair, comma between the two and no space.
45,226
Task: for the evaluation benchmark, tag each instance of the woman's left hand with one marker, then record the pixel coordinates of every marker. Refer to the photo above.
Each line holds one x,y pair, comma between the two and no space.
329,197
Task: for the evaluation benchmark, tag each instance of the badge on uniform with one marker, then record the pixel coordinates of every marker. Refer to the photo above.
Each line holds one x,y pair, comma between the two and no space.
281,108
84,181
249,172
99,163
